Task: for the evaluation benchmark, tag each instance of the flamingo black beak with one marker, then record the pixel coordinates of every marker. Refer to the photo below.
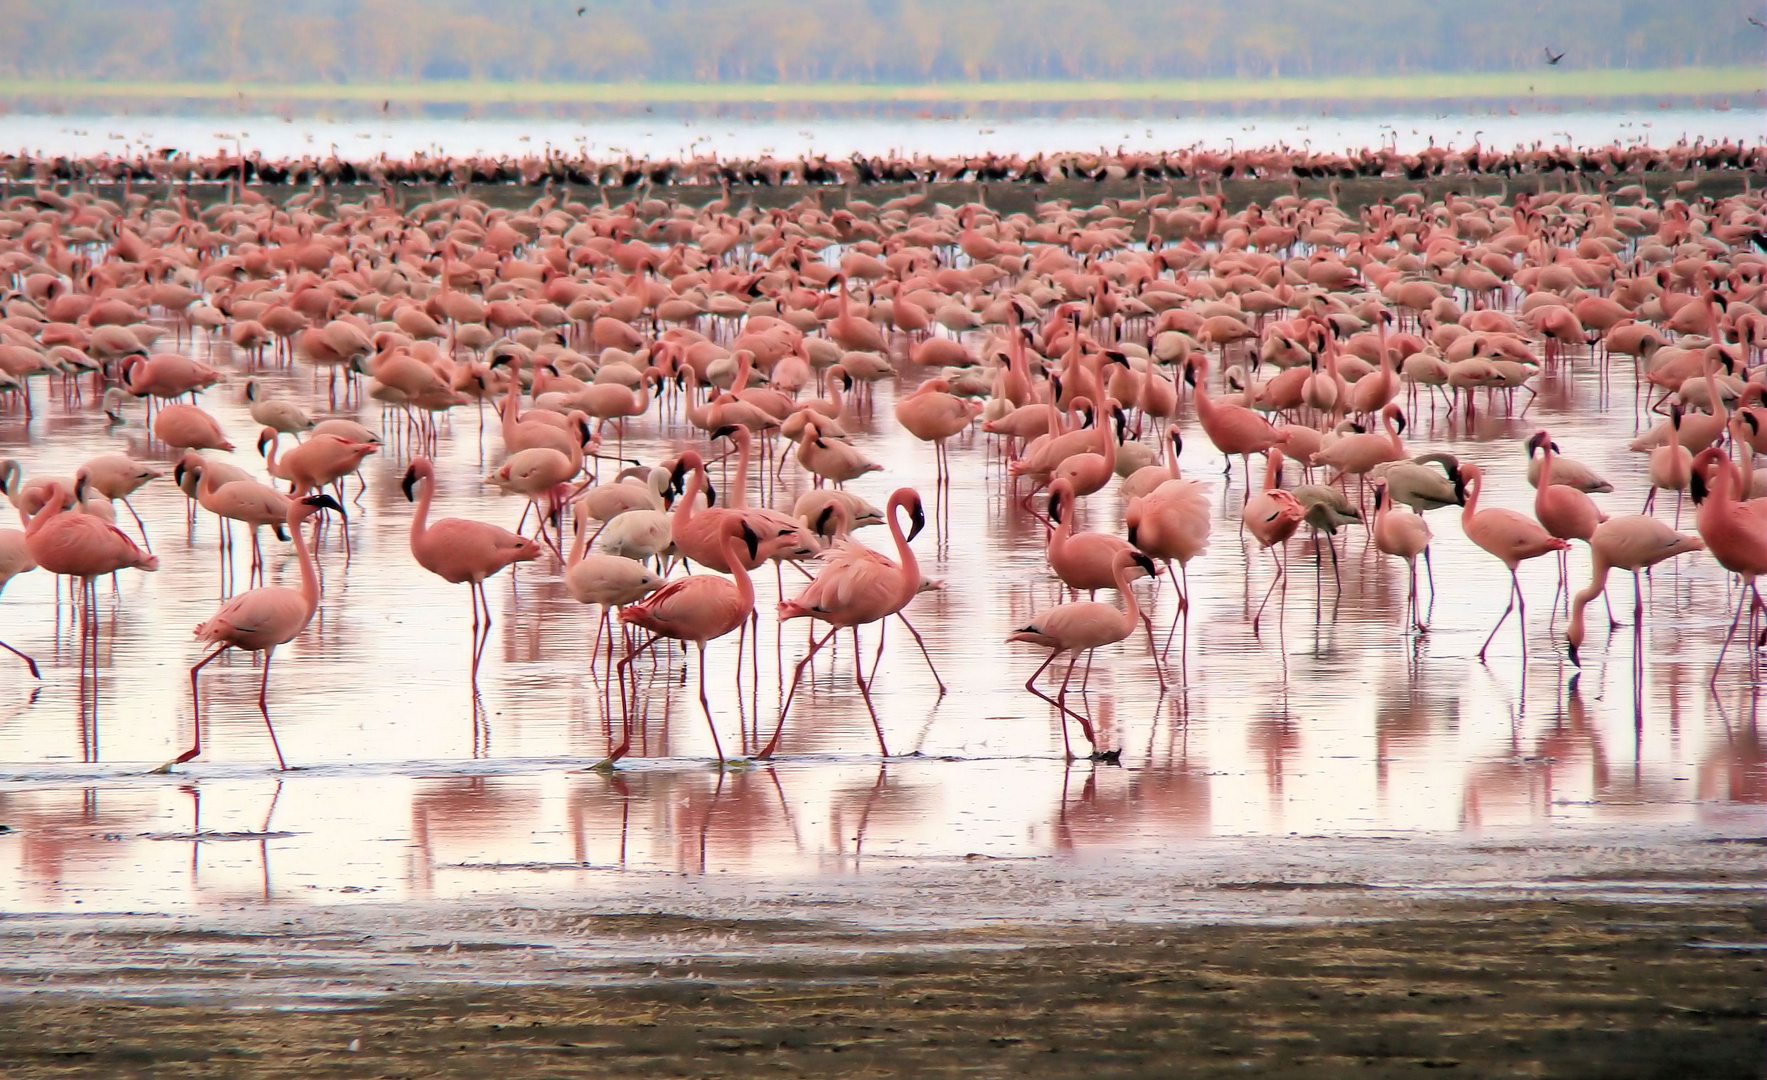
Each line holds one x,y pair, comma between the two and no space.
823,519
1146,564
1399,424
324,502
409,485
1190,374
916,515
281,533
1571,648
1132,542
177,477
1535,441
728,431
753,541
711,493
1696,486
1055,507
263,441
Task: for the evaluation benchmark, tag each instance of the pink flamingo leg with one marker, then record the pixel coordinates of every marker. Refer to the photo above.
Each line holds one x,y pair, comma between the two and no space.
32,664
264,708
1514,588
797,675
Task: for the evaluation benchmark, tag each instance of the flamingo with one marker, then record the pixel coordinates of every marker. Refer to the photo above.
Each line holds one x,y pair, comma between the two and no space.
1511,538
1735,531
1173,522
1272,516
15,559
1566,513
1630,542
461,551
259,621
1404,535
1082,627
696,609
857,586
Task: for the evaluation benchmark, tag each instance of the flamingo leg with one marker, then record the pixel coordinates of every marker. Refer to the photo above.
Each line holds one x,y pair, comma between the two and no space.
264,708
1061,697
1718,664
620,670
1031,685
138,524
32,664
1514,588
865,690
797,675
918,640
706,704
1280,575
196,711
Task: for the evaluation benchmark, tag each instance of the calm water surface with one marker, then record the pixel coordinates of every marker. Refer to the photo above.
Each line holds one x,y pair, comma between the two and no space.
681,137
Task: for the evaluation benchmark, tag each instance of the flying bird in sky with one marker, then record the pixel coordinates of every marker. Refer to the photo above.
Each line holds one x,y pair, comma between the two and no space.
1553,58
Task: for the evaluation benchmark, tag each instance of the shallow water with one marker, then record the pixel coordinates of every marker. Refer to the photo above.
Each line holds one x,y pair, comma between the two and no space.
409,784
682,137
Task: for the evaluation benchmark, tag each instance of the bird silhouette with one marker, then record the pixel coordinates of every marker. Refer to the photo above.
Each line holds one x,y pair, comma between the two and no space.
1552,58
1758,22
580,12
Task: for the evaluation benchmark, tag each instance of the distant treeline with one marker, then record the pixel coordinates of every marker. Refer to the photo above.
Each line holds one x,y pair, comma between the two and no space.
870,41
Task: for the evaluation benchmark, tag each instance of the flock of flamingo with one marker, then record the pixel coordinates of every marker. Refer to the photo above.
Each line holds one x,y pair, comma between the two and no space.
554,166
1084,342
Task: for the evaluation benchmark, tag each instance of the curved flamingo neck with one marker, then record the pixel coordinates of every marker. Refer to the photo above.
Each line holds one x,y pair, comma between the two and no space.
1132,604
309,568
1473,488
1272,469
734,550
909,565
684,510
738,499
53,497
420,520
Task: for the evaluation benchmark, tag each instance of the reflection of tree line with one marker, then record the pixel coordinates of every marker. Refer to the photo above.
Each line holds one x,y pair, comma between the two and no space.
868,41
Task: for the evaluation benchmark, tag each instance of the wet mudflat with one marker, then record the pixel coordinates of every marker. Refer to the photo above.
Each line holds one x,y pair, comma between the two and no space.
1568,988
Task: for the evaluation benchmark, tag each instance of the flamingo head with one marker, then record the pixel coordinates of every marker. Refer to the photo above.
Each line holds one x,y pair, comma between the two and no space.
1536,441
751,539
321,501
916,513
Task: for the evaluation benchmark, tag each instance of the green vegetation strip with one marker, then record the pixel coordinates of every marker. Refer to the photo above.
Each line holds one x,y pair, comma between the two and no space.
1669,82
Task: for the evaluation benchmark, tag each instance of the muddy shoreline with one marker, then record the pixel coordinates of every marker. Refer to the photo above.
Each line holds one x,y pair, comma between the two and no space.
1529,987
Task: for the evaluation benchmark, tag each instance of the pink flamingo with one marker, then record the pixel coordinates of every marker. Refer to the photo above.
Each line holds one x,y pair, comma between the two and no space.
1735,531
84,547
15,559
1234,429
857,586
1081,627
1404,535
1173,522
695,609
1509,536
932,414
1272,516
188,427
1566,512
260,620
1630,542
461,551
